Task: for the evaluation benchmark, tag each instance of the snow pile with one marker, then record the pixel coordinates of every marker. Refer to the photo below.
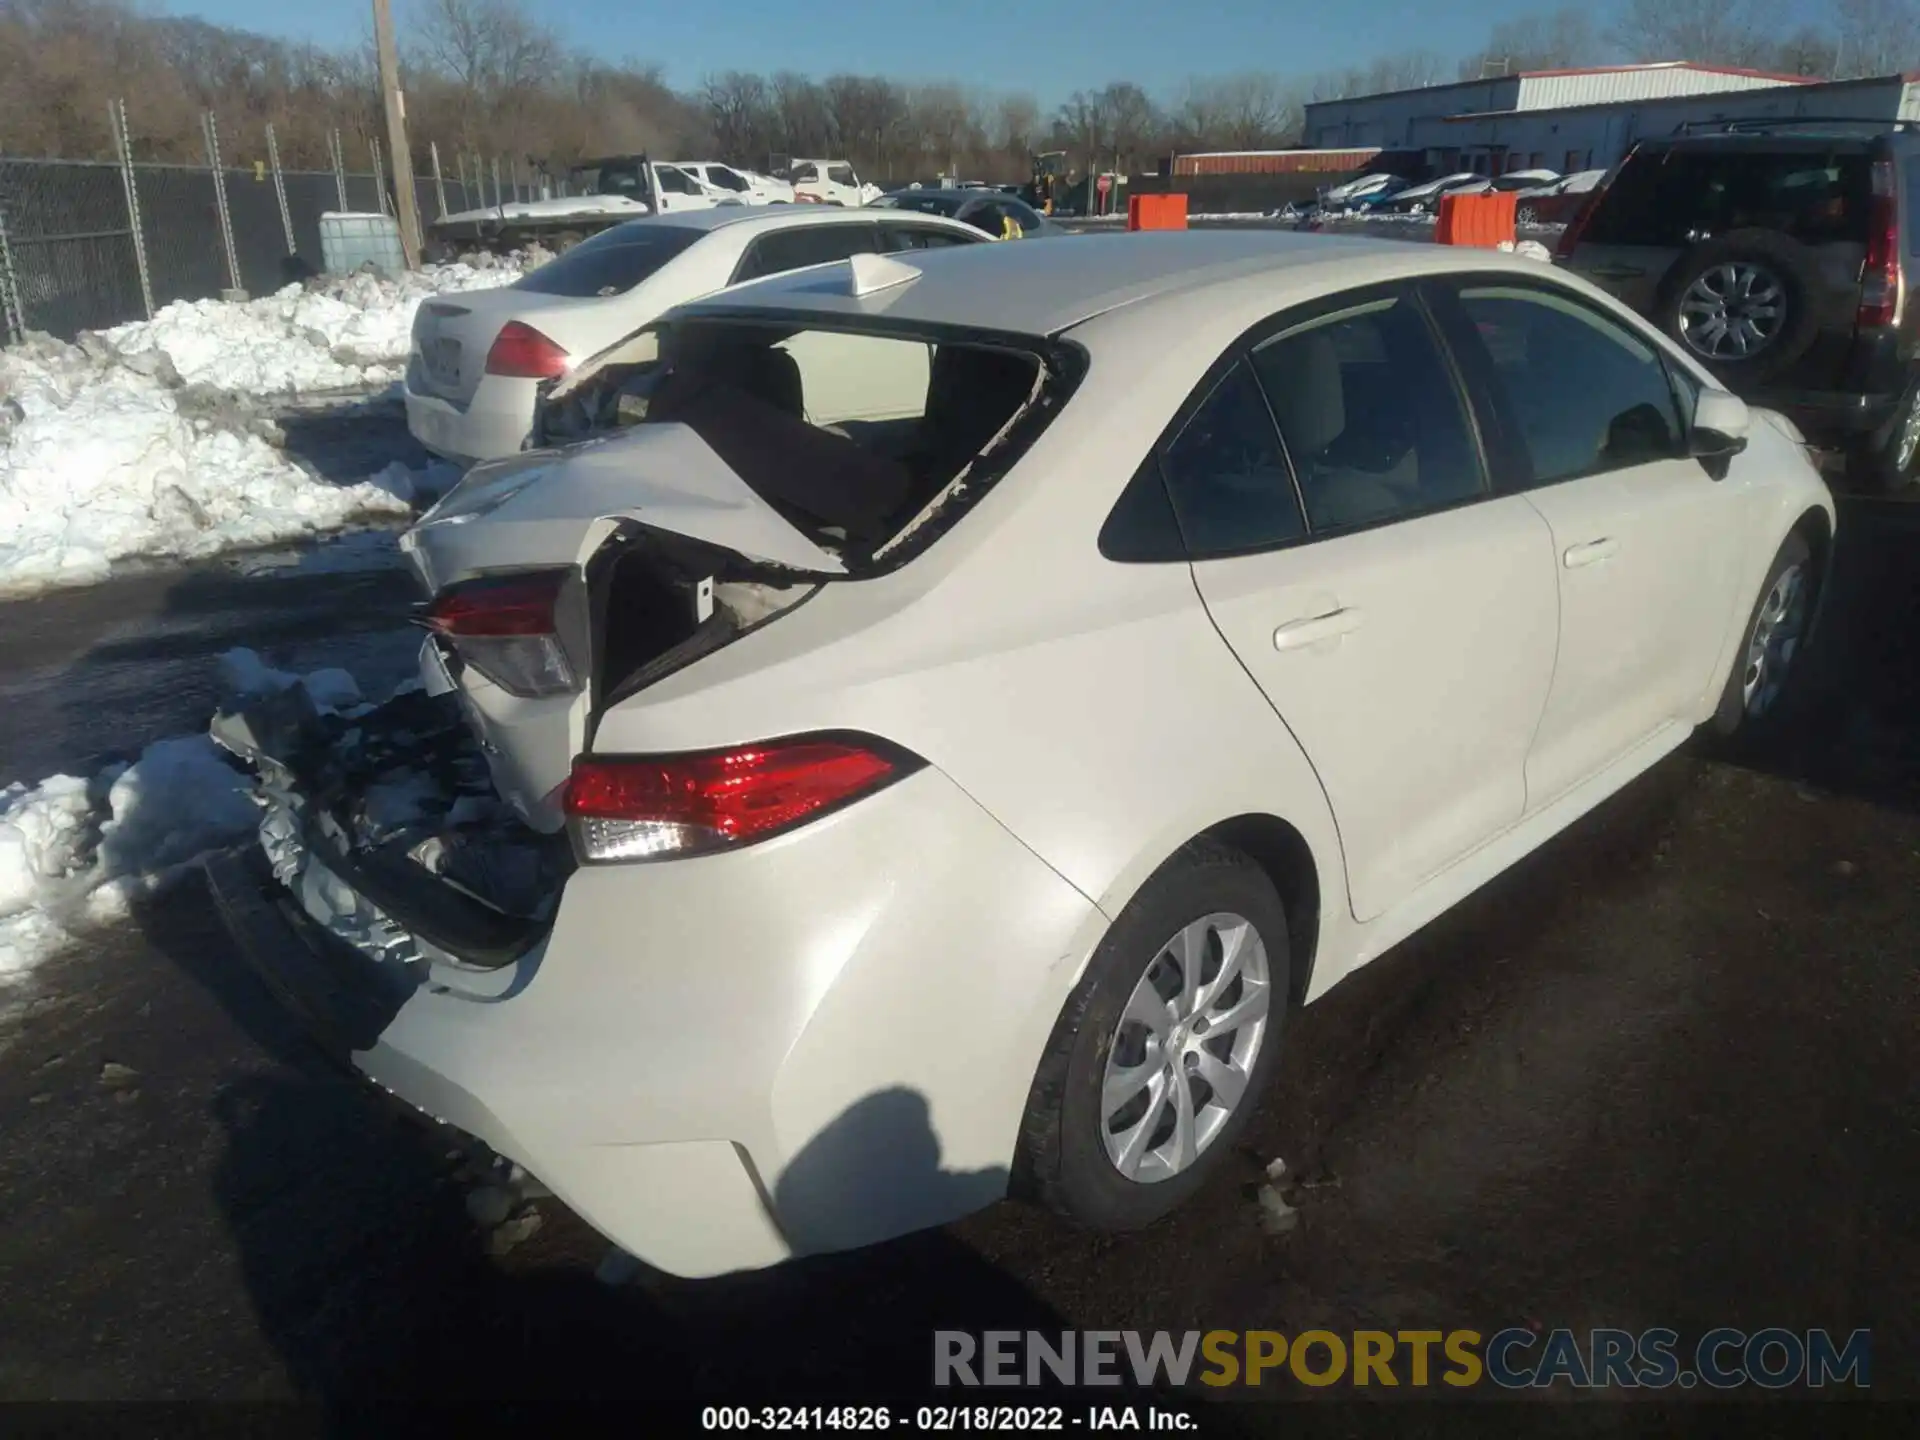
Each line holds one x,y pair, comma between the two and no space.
334,332
75,851
99,463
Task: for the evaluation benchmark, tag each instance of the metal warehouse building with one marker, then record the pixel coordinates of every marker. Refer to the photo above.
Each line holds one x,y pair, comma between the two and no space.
1571,120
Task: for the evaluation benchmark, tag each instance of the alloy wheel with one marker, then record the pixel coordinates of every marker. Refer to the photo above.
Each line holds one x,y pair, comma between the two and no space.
1778,631
1733,310
1179,1061
1909,436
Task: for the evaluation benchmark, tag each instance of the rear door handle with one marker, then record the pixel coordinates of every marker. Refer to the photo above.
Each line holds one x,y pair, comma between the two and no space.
1298,634
1591,553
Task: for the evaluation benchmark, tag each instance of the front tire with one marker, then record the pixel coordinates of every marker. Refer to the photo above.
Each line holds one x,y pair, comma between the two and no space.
1771,646
1164,1048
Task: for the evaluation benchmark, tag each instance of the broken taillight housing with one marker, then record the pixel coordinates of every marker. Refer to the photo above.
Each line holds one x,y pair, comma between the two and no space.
656,807
503,626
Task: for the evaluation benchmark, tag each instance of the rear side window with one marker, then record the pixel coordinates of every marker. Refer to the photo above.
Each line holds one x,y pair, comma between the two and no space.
1373,422
1229,483
1675,197
1584,394
810,245
611,263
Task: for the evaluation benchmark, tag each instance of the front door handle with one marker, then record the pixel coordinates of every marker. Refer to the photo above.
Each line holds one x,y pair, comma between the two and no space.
1591,553
1298,634
1616,272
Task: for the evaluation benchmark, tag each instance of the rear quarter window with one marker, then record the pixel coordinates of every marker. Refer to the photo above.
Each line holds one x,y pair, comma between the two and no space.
611,263
1674,198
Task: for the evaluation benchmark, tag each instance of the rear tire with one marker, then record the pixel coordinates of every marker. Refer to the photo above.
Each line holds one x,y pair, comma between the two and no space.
1889,461
1771,646
1122,1080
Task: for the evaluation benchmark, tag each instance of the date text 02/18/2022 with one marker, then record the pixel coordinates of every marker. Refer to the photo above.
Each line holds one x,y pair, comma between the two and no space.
946,1419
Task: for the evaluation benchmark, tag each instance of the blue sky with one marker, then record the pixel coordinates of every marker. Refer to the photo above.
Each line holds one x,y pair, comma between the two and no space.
1050,47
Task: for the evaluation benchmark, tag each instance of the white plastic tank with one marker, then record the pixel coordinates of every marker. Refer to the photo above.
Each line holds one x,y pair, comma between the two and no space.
349,240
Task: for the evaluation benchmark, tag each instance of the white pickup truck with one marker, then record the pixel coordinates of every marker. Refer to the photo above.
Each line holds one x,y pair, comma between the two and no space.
605,193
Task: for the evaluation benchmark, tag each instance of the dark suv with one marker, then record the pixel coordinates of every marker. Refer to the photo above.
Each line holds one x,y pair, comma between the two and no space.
1778,254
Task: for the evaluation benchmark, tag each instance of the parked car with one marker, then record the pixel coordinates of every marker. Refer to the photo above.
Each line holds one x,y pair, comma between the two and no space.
478,356
1525,181
1002,216
829,182
1418,199
1349,192
1779,256
857,815
747,186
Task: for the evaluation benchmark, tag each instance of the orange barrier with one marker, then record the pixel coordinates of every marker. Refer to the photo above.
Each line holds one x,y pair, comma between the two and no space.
1484,220
1157,212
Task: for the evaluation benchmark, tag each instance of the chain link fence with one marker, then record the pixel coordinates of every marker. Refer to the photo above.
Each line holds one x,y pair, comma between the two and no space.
69,261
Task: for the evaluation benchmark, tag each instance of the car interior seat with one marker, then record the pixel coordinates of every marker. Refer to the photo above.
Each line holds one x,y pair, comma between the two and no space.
971,392
1308,391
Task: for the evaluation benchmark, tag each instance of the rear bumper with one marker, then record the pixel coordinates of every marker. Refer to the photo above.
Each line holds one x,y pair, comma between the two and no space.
496,422
821,1042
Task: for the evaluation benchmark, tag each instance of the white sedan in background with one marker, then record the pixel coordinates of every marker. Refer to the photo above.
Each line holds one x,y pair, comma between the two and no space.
479,357
965,798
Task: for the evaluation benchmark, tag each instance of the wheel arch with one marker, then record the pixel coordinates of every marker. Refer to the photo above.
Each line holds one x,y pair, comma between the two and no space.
1280,850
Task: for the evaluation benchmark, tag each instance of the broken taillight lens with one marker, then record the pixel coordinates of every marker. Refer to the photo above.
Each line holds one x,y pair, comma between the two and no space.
504,628
661,806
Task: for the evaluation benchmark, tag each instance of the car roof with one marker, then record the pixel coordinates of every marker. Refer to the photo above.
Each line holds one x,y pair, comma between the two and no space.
755,218
1042,287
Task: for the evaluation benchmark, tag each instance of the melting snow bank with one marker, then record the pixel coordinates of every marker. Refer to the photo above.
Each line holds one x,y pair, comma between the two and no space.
75,852
333,332
100,463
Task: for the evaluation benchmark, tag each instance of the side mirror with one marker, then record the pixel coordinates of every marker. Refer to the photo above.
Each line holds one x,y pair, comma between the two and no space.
1720,423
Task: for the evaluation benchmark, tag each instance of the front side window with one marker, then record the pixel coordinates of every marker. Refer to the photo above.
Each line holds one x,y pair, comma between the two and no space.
841,175
1226,476
676,182
726,179
1584,394
1372,419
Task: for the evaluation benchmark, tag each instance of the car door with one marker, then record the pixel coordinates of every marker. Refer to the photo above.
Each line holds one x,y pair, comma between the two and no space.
1399,617
843,377
1587,411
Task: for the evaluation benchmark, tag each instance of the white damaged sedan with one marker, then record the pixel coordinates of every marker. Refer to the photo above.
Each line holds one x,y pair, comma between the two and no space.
849,810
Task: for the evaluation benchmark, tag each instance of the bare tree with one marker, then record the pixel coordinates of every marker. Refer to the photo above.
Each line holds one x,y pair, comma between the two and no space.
1536,42
1712,32
1876,37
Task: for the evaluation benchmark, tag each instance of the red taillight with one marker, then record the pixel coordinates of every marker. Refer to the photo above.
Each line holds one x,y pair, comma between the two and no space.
1880,275
663,805
521,352
505,629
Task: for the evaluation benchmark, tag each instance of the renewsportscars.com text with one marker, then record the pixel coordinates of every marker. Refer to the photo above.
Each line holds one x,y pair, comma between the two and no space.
1722,1359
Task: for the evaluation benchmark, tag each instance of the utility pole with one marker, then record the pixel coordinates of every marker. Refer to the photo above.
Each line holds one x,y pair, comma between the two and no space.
404,201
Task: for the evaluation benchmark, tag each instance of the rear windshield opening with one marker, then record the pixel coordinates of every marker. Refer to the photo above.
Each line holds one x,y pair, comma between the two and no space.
850,435
611,263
